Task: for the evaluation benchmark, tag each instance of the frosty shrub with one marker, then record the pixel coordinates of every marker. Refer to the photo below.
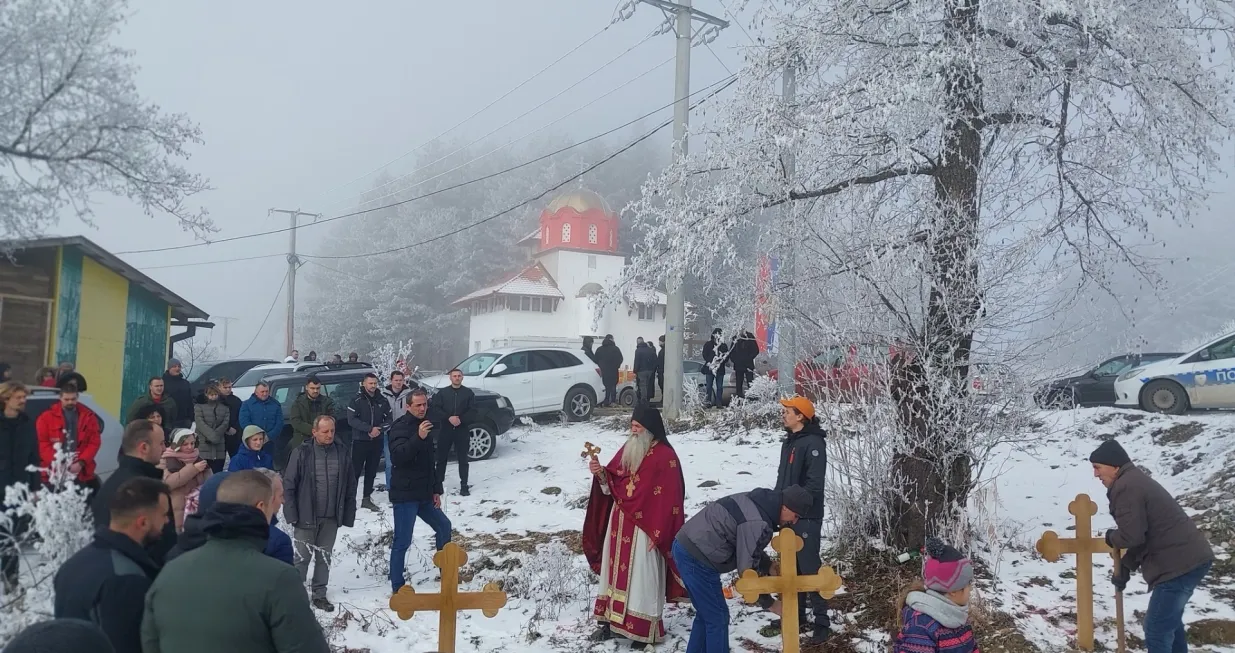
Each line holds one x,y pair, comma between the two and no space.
60,518
759,410
554,580
387,357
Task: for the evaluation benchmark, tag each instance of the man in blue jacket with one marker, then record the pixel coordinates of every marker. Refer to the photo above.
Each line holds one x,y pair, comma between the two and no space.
262,411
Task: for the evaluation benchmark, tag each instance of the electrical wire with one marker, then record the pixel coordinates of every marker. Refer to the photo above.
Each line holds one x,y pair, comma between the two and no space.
474,114
277,294
227,260
504,125
726,81
533,198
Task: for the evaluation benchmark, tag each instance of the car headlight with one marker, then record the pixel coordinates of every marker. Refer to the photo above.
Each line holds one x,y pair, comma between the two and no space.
1127,375
501,402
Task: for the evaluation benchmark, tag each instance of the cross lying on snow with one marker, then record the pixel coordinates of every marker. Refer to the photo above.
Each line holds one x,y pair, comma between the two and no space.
1084,545
788,584
450,601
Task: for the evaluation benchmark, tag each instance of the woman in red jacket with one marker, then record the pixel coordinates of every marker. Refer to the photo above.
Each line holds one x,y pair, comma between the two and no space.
76,428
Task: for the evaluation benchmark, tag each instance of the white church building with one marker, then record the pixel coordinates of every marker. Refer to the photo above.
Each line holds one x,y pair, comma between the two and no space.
553,300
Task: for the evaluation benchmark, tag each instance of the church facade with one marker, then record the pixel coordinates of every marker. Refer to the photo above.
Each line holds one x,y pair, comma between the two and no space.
556,299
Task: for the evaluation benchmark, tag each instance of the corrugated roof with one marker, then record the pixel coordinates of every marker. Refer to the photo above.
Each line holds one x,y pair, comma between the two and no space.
532,237
181,308
534,280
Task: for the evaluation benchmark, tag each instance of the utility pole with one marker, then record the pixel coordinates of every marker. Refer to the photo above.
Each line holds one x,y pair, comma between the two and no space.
293,262
227,322
786,332
683,17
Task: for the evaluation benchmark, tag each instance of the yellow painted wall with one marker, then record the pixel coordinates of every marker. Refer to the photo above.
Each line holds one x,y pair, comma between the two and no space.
101,332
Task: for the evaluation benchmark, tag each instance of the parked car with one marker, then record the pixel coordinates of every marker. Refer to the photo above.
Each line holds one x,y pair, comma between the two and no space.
1201,378
41,399
244,386
843,372
536,380
1094,387
494,416
204,372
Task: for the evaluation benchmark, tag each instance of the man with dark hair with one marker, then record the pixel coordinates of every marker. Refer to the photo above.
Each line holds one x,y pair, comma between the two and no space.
451,410
745,351
396,394
715,357
353,357
310,404
233,403
368,416
319,491
75,428
415,487
106,582
660,367
645,372
155,396
225,595
181,392
264,412
141,449
804,463
609,360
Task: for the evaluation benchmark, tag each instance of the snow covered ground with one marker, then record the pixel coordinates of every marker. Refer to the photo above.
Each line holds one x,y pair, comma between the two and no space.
532,494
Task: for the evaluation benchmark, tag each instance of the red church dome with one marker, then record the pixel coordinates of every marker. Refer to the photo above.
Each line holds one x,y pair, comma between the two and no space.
580,219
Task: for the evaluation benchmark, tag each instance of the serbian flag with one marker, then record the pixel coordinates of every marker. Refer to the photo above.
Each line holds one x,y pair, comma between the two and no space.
765,322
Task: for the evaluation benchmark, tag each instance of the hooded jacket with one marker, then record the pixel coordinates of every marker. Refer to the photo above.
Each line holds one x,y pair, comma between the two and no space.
183,479
397,401
731,533
278,543
227,596
304,411
247,458
106,583
51,427
130,467
804,462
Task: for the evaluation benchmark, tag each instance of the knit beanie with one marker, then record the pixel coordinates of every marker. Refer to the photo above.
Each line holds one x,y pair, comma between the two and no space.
797,499
61,636
1110,453
944,569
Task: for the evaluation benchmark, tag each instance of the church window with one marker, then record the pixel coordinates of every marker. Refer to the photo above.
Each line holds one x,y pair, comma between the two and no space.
592,233
647,313
526,303
566,233
549,305
536,304
591,261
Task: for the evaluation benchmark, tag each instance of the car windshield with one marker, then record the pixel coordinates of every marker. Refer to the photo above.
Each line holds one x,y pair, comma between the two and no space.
250,378
476,364
199,370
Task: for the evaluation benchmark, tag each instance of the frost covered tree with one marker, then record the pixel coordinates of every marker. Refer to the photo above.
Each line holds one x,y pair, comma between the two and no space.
74,124
951,157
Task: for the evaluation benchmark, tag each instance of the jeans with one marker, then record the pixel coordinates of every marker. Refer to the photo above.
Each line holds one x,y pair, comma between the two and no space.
710,631
454,439
405,519
315,544
1164,620
715,383
366,454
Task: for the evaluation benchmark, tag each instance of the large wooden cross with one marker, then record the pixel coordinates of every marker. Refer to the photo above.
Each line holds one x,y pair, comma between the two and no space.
788,584
450,601
1084,545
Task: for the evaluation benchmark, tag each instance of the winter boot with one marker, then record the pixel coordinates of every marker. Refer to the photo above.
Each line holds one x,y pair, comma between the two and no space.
819,635
323,604
368,503
465,491
602,634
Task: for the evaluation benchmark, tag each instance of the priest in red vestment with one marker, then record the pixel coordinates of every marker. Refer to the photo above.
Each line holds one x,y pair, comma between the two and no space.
633,514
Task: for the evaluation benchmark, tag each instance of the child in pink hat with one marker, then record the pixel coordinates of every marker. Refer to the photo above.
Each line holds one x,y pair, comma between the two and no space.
935,610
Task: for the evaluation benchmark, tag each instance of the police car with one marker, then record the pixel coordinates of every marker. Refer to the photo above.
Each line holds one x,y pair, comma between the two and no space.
1202,378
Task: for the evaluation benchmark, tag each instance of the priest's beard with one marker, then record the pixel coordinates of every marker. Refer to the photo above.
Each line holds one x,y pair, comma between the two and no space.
637,446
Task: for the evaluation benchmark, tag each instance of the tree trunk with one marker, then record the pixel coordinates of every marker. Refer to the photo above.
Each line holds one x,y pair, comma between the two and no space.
929,384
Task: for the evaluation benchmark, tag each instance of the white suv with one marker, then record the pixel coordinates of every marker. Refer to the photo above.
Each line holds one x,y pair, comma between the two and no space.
535,380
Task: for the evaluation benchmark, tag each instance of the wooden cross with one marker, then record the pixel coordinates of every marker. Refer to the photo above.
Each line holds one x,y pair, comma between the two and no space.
450,601
1084,545
590,449
788,584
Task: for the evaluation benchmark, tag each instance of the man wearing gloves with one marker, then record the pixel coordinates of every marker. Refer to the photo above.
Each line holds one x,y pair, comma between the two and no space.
1161,540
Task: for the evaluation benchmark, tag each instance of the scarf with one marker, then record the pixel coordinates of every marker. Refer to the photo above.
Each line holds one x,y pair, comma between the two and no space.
939,608
175,460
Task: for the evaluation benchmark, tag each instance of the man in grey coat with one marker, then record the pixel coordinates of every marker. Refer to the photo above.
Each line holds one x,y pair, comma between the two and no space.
1161,540
319,496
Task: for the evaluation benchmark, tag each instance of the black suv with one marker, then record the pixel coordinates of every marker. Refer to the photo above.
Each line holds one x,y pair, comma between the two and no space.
494,415
204,372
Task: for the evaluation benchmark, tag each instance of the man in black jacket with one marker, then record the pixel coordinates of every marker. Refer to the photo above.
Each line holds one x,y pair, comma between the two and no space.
141,448
715,358
415,486
804,462
178,388
450,409
19,449
609,360
745,351
645,371
660,367
368,415
232,439
106,582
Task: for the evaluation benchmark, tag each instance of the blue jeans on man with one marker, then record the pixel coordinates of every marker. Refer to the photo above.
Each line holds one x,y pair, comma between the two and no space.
715,384
1164,620
710,631
405,519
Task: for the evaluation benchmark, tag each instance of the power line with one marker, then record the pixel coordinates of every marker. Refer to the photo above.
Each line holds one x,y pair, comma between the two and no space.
268,312
508,122
474,114
726,81
227,260
346,274
533,198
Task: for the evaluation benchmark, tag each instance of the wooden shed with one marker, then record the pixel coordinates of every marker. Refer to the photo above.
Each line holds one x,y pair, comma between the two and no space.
67,299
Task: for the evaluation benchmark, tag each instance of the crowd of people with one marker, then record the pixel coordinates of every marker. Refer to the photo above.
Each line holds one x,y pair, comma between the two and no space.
183,545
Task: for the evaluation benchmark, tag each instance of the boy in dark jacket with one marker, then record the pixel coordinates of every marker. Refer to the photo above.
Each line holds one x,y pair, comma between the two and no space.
415,487
368,416
728,535
451,409
1161,540
804,462
106,582
180,391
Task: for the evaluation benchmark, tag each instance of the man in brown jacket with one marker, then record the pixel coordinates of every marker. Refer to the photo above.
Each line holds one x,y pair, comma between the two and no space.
1160,538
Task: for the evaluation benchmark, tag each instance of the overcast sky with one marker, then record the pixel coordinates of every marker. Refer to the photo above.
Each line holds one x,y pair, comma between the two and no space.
298,99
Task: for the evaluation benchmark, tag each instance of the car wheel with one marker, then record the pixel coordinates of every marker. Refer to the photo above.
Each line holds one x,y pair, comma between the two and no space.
1064,400
1164,396
579,404
481,442
627,398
